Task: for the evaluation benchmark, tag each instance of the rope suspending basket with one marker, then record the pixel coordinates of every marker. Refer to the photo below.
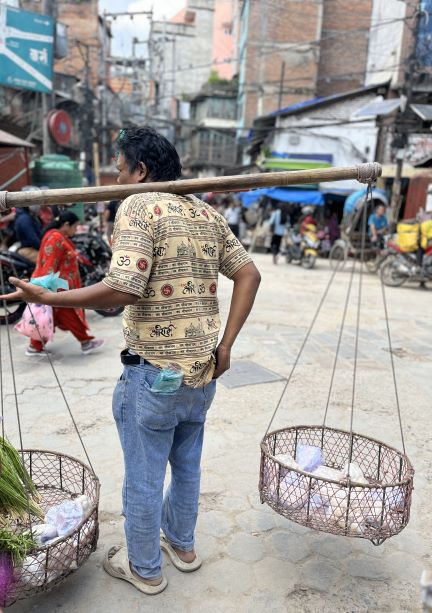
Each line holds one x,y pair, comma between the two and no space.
55,479
333,480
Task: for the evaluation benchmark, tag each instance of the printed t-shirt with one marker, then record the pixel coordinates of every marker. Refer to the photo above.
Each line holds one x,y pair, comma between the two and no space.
168,251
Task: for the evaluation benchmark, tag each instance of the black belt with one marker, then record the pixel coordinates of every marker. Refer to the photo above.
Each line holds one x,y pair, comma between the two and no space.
131,359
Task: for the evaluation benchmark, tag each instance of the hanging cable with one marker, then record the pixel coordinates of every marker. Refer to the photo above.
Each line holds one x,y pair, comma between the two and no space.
2,284
341,330
315,317
1,387
393,365
61,390
368,199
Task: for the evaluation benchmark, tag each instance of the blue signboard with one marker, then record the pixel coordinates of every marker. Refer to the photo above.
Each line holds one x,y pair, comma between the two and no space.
26,49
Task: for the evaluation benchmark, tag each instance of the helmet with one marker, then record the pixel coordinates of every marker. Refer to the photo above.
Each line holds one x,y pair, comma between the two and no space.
307,210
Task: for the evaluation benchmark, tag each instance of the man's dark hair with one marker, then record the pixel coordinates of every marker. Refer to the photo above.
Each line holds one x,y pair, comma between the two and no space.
154,150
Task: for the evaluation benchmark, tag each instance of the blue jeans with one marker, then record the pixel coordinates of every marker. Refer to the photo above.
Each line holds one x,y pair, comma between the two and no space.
155,428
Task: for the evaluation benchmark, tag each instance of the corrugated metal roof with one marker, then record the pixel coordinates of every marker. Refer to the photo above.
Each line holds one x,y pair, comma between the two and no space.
13,141
424,111
379,107
313,102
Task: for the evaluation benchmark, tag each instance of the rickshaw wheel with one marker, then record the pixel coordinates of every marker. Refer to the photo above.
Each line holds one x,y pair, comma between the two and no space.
337,256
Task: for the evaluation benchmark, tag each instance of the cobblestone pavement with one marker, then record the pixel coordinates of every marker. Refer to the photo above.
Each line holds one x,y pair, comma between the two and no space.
256,560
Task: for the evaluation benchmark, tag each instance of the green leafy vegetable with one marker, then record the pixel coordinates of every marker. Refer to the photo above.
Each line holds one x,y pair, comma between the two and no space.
16,545
18,494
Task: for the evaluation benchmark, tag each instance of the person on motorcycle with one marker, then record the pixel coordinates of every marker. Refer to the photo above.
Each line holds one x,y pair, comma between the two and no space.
307,219
278,224
58,254
28,232
378,226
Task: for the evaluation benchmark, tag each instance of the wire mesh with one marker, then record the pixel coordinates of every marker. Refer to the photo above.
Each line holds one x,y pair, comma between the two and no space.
57,477
374,511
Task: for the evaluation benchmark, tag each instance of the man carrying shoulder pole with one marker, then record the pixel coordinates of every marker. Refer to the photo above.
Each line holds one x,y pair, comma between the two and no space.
167,253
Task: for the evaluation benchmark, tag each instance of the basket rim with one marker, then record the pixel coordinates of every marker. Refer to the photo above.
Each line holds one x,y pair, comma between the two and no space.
94,507
348,483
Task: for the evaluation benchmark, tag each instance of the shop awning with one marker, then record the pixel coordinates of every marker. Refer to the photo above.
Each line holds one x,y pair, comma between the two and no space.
282,194
424,111
13,141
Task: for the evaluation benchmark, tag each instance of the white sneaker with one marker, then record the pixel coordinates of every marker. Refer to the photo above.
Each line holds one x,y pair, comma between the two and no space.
31,352
90,346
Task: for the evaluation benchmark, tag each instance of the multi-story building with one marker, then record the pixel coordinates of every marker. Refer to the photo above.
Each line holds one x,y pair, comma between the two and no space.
187,49
323,48
278,55
207,143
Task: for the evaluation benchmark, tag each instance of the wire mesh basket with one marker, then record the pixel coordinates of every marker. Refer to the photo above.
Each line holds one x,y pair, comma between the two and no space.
57,477
374,511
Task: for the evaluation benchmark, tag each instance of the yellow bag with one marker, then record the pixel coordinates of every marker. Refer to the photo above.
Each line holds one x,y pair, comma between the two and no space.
408,236
426,234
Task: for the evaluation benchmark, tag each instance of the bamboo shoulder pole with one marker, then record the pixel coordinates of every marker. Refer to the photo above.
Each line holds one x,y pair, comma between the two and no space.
365,173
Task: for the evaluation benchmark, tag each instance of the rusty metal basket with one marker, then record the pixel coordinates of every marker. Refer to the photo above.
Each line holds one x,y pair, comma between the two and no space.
57,477
375,511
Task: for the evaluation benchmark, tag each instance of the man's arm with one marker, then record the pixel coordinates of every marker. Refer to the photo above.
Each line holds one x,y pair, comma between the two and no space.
98,296
246,283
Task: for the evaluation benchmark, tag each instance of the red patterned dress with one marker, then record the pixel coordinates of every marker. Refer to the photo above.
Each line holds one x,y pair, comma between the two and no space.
58,254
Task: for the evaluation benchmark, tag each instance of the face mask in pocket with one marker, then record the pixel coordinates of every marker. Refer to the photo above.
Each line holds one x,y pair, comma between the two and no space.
167,382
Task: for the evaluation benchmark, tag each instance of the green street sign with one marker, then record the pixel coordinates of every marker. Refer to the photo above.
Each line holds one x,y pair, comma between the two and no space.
26,49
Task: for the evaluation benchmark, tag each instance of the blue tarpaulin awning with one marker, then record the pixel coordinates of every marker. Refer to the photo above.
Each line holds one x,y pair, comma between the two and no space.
293,196
354,198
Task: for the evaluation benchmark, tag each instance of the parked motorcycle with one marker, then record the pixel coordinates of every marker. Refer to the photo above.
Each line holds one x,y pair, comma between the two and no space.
303,249
12,265
94,256
403,267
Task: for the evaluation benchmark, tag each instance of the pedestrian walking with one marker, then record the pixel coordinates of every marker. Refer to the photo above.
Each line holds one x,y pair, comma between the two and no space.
58,254
278,224
167,253
232,215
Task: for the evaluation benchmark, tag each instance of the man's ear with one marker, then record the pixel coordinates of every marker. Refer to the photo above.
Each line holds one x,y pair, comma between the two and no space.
143,173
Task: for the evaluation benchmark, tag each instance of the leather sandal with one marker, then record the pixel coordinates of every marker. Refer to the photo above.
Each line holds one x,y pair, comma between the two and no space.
116,564
185,567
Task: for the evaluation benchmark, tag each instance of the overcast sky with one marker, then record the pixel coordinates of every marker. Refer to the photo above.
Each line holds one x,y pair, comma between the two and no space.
124,28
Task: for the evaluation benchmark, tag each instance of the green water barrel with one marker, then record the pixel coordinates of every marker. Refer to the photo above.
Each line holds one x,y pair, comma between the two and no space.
57,172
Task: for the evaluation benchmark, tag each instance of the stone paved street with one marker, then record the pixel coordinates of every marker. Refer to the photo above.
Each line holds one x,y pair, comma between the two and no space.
255,560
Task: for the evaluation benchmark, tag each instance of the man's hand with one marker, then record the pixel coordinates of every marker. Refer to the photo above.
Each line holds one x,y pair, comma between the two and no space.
223,359
27,291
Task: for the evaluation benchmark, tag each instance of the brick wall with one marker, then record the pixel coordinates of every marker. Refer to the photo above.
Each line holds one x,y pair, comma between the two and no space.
280,31
344,45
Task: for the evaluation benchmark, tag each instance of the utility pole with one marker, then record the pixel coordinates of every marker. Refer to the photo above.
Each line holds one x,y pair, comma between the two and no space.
281,84
49,7
104,78
396,198
261,73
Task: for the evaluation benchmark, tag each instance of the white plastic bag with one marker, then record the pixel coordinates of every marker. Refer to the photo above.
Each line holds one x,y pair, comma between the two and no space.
65,516
308,457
